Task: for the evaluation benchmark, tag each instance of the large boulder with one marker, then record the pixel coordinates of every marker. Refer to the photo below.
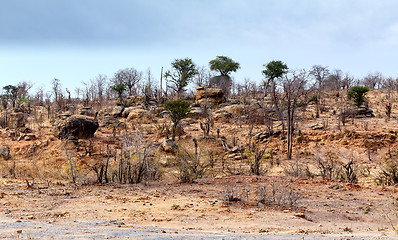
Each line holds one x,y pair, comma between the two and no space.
128,110
115,111
209,96
140,115
76,127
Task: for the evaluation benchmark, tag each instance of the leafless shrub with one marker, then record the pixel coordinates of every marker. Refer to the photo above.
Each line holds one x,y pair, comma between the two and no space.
190,166
235,194
136,162
278,194
349,172
328,166
388,174
298,170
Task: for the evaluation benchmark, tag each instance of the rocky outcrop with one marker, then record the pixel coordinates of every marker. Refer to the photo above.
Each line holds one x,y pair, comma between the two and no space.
209,96
16,120
115,111
140,115
76,127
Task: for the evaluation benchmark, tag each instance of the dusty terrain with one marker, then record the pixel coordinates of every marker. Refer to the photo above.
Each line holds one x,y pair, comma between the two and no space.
36,187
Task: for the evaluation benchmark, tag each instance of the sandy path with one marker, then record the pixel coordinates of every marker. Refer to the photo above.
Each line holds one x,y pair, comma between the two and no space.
23,229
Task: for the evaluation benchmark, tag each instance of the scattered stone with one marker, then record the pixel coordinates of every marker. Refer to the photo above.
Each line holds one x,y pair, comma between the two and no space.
317,127
109,121
87,111
5,153
169,146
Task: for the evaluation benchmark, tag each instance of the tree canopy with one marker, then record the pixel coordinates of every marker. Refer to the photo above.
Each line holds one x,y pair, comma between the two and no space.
275,69
183,71
357,94
224,65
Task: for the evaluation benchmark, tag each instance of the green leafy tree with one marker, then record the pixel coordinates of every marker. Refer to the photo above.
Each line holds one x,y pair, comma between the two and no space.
275,70
179,109
119,89
11,93
184,70
358,95
224,65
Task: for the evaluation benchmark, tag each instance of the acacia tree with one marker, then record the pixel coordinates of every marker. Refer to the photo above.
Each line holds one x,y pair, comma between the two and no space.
183,71
224,66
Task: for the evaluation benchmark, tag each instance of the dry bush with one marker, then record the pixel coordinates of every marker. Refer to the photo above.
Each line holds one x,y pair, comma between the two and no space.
235,194
278,194
137,162
388,175
191,166
298,170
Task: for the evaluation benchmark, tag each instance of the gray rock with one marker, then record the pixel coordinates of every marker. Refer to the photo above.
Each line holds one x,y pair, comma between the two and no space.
109,120
87,111
5,153
169,146
115,111
76,127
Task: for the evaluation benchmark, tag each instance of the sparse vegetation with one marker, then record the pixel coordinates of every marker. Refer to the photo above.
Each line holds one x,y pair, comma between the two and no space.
225,154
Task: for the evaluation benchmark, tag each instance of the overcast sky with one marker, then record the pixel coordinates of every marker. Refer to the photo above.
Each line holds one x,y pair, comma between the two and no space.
76,40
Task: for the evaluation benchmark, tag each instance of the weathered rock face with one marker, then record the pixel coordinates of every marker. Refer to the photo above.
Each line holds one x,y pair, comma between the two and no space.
128,110
17,120
87,111
169,146
140,115
5,153
115,111
76,127
209,95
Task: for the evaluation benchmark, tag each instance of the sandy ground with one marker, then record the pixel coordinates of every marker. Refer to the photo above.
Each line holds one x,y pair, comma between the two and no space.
172,210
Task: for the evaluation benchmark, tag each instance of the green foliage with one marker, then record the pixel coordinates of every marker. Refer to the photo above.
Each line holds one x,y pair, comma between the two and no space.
119,89
275,69
22,99
357,95
179,109
224,65
182,73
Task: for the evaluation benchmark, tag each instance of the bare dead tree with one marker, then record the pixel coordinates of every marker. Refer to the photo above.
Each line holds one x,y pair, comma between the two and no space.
130,77
295,88
320,74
